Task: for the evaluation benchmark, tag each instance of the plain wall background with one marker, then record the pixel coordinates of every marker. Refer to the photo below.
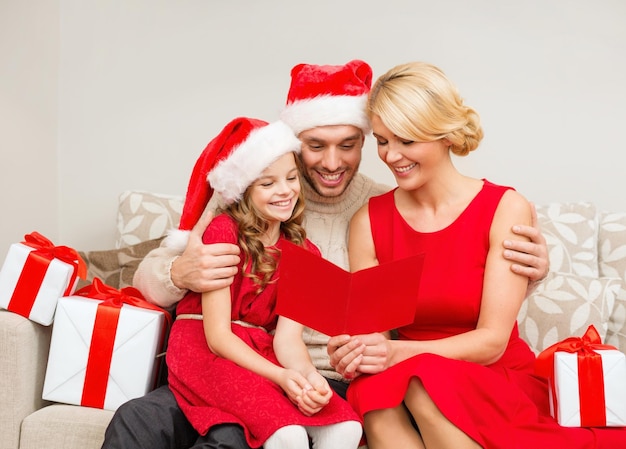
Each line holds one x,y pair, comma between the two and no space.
102,96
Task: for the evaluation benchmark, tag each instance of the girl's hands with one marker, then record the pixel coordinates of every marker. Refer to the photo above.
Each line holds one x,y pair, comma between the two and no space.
310,394
315,398
293,384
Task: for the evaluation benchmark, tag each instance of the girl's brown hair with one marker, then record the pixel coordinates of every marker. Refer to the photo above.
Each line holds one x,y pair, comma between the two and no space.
252,225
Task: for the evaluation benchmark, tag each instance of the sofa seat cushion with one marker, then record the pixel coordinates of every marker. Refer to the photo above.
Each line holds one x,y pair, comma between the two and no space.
60,426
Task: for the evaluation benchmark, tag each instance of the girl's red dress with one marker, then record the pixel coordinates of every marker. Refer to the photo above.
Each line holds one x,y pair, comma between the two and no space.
500,406
212,390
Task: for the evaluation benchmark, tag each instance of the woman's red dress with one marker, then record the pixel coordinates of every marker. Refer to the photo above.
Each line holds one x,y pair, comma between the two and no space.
212,390
500,406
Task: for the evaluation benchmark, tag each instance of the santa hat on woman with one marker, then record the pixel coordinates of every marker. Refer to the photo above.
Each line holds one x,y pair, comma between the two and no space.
228,165
322,95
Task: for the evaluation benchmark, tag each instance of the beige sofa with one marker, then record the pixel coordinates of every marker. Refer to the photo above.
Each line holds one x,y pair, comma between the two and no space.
588,270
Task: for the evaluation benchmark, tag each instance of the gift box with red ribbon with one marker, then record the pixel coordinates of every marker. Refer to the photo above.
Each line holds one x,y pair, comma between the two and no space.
35,274
587,381
104,347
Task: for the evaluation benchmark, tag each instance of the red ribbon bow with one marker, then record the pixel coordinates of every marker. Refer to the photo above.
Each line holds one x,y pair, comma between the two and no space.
103,337
590,375
117,298
68,255
585,345
35,267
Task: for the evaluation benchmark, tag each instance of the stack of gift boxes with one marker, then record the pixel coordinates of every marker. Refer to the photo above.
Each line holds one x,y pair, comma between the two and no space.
105,342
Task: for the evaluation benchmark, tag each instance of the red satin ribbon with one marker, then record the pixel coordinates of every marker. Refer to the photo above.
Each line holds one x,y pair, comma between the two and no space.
590,374
103,337
68,255
112,296
34,270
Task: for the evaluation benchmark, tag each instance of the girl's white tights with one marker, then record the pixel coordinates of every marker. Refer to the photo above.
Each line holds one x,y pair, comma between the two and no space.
288,437
343,435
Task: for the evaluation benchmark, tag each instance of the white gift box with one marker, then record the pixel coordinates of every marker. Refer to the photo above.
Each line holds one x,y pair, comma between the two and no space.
567,409
133,365
54,285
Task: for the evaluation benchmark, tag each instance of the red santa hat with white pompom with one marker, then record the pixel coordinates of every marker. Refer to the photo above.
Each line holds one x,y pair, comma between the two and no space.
234,159
322,95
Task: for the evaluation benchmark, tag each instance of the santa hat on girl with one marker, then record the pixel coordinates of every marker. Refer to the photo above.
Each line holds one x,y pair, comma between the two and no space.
228,165
323,95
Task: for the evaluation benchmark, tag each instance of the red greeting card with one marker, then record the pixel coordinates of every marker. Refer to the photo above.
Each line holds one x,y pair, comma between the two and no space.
333,301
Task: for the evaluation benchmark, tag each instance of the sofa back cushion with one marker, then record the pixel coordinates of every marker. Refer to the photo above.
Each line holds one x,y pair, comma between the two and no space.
116,267
612,262
571,233
564,305
580,289
146,216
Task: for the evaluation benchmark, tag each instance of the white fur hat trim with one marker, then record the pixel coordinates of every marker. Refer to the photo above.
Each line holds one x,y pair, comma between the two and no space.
327,110
232,176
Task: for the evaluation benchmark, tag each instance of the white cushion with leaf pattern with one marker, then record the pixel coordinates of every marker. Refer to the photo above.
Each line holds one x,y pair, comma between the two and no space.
564,305
571,233
612,262
146,216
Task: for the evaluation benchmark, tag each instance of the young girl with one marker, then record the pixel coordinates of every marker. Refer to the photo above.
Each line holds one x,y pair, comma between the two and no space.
231,359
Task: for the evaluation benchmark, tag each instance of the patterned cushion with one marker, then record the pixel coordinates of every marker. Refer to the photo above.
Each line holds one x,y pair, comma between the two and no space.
612,262
146,216
612,245
571,232
116,267
564,305
103,265
616,328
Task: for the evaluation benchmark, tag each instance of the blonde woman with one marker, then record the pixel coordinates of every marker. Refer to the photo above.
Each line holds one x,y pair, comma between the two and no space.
459,376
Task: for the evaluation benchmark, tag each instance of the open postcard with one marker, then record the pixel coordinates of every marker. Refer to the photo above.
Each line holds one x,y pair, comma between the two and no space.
333,301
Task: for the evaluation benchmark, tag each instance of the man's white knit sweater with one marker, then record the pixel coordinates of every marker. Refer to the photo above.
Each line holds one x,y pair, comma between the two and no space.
326,222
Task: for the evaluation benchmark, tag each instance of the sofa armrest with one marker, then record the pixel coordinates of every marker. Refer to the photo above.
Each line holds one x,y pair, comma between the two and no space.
24,347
